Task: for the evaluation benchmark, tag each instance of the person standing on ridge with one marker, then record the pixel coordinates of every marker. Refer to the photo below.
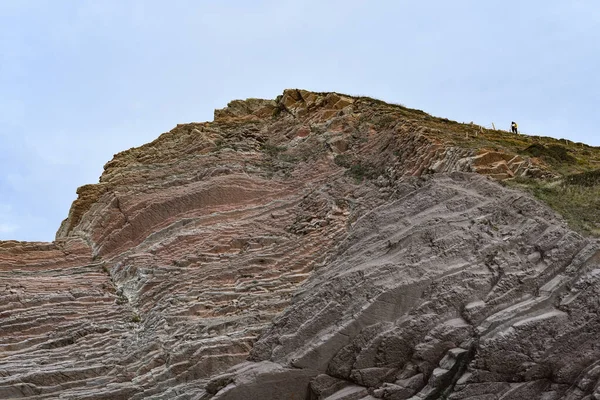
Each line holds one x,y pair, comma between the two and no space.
513,127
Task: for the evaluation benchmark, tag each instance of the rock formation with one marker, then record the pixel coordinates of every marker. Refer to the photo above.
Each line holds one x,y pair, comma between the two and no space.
316,246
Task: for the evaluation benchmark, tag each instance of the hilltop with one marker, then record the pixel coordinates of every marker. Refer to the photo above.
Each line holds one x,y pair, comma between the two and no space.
369,138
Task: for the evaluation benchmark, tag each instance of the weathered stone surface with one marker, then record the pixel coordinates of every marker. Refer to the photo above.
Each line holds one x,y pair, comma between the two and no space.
408,270
265,380
325,385
299,231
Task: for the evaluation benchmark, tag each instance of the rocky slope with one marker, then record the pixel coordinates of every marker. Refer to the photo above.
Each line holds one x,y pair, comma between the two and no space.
314,246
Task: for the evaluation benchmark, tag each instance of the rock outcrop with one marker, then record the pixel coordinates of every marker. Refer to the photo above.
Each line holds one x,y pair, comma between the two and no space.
448,290
315,246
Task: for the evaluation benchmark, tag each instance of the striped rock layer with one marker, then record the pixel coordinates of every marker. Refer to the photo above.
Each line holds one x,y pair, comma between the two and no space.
314,246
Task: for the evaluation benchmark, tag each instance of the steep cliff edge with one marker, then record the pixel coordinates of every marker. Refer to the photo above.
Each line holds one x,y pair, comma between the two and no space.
348,236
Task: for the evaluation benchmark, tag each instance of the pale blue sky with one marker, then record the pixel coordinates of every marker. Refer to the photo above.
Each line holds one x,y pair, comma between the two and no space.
81,80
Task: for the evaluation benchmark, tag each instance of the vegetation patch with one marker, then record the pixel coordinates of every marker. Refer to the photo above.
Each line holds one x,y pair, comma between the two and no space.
343,160
358,169
576,198
121,299
272,150
219,144
384,121
585,179
281,160
553,153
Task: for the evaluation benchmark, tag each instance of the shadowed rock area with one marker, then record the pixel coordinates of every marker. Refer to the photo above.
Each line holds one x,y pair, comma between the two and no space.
316,246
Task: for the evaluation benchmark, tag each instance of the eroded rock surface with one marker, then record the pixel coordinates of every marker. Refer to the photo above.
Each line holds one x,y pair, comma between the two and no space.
452,288
328,237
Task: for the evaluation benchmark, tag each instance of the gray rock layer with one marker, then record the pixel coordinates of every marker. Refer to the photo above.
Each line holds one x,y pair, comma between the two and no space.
459,288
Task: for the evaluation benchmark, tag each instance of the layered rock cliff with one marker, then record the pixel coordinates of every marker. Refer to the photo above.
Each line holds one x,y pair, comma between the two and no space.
315,246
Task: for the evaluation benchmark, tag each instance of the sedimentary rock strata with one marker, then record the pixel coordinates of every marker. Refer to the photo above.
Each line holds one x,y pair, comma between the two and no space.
314,246
456,285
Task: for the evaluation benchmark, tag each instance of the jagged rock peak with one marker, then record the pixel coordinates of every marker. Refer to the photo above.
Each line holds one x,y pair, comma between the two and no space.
296,102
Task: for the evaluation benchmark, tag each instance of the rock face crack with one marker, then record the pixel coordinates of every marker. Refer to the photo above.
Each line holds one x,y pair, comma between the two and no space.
118,204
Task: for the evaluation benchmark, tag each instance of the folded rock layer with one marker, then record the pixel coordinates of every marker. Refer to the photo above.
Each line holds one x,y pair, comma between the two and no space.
315,246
